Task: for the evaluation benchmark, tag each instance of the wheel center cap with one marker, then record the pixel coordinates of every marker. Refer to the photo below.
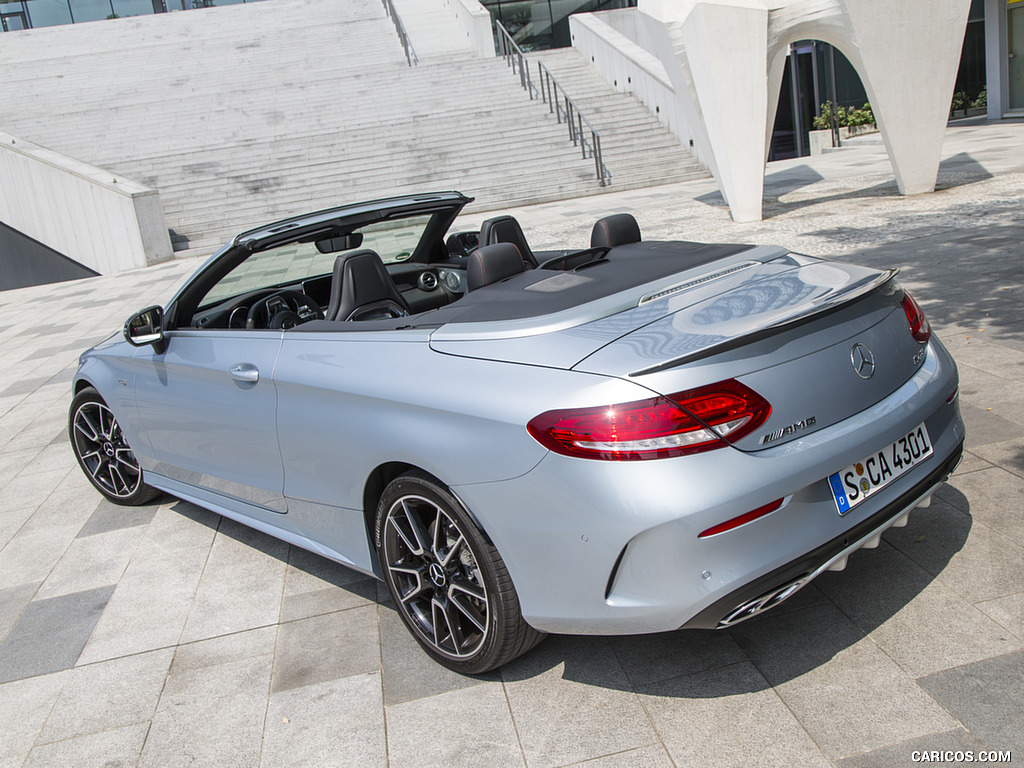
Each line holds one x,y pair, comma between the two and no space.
108,448
437,575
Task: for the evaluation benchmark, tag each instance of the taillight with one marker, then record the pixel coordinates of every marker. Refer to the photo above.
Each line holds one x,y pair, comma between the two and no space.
657,428
919,327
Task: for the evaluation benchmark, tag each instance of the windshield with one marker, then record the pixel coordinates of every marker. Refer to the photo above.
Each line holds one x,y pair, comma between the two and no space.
393,241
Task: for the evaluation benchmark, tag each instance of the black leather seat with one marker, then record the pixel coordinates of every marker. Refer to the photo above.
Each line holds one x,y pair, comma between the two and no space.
362,289
491,263
618,229
505,229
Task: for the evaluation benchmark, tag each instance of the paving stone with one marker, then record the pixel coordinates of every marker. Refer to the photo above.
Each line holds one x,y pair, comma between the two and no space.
650,658
315,585
210,716
190,657
956,740
919,622
996,498
654,756
331,723
327,647
149,607
24,707
111,517
109,695
470,726
551,686
13,601
725,717
119,748
51,634
967,556
847,694
1006,611
408,673
91,562
241,585
985,427
987,697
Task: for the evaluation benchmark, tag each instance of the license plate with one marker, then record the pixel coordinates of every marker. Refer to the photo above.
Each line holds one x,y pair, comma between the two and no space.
858,481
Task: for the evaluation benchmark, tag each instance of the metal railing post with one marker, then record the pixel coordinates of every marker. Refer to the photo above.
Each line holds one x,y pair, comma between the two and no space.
548,89
403,35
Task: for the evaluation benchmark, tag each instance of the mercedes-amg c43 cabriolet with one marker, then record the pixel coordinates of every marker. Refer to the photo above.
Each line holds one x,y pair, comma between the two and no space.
639,436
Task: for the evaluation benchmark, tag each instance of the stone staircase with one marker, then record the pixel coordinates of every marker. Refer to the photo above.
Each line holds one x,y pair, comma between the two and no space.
249,113
637,149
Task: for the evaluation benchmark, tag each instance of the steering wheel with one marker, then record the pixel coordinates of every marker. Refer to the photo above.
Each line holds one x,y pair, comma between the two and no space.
283,309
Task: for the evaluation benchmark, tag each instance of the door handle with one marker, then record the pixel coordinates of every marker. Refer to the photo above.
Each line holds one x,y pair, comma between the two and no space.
245,373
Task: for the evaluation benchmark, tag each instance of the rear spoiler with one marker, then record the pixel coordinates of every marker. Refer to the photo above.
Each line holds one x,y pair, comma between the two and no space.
815,309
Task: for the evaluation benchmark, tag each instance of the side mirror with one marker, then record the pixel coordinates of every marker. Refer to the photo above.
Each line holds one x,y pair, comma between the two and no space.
146,327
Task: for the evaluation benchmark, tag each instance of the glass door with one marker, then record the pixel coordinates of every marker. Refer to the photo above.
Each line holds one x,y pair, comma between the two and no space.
13,21
1015,19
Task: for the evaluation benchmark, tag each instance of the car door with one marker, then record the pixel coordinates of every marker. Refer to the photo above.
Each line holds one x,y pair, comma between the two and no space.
209,411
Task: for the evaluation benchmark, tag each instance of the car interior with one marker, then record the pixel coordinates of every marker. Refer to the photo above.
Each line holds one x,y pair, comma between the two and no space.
381,272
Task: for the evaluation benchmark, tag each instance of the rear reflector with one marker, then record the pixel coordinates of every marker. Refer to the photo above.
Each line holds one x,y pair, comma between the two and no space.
919,326
736,522
657,428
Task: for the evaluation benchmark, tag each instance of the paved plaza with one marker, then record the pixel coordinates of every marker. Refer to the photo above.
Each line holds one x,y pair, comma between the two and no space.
167,636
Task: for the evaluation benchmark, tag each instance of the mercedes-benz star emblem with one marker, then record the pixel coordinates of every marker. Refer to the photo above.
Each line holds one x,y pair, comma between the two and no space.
863,361
437,574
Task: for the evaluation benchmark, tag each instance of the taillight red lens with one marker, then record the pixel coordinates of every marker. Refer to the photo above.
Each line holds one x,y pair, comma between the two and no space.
919,326
657,428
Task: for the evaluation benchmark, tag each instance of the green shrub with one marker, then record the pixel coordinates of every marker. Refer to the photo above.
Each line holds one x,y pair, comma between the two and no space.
862,116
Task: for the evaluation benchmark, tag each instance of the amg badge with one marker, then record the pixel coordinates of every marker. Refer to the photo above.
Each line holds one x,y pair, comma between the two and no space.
780,433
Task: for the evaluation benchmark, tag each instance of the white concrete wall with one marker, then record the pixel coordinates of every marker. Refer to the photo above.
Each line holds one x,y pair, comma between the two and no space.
105,222
628,68
476,21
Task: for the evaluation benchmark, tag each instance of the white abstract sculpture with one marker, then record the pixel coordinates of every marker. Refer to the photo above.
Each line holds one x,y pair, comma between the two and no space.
727,58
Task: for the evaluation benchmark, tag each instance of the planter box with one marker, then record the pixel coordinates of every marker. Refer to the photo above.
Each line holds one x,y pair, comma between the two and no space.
821,141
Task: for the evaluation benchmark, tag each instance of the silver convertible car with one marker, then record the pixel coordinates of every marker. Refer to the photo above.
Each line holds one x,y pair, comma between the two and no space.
635,437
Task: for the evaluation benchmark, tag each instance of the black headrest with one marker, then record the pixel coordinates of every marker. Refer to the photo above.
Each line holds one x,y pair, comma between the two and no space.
505,229
618,229
361,282
491,263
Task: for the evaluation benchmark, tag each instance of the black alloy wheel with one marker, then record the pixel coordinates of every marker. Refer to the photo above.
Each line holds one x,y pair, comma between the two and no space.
102,452
447,580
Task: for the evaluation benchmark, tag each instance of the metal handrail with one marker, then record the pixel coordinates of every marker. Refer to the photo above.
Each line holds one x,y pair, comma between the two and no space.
403,35
551,92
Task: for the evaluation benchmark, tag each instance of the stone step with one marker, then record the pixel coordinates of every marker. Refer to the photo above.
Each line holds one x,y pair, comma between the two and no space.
246,114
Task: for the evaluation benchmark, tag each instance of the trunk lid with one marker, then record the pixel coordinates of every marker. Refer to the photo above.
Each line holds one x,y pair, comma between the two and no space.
820,341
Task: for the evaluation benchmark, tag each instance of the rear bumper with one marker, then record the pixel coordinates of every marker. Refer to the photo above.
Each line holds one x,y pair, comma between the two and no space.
614,548
773,588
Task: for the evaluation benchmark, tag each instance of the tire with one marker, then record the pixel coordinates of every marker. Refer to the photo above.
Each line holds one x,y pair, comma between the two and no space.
447,581
102,452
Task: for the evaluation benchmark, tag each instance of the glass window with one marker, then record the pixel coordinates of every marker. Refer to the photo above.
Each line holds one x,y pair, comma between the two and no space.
48,13
125,8
91,10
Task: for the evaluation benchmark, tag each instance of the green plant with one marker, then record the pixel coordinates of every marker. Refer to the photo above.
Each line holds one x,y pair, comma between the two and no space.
862,116
827,110
960,101
982,101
